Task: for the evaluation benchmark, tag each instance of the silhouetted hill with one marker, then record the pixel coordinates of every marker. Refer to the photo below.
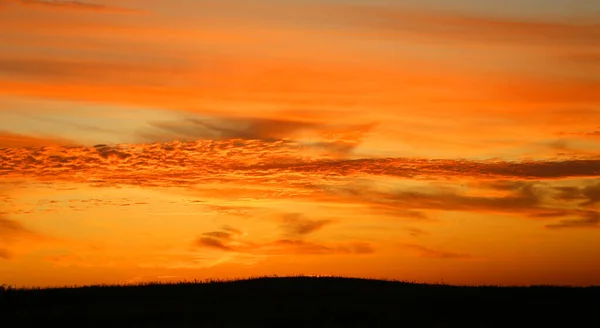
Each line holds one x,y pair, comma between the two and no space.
300,302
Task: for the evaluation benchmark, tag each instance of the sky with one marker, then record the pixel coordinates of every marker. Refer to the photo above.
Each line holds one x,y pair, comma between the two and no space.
427,141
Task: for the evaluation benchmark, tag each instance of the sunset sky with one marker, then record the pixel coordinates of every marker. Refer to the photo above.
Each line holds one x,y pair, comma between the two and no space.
419,140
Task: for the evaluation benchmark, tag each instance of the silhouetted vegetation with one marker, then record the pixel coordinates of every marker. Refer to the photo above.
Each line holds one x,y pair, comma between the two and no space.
299,302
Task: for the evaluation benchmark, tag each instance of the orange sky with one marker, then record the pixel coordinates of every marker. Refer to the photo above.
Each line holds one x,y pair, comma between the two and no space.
431,140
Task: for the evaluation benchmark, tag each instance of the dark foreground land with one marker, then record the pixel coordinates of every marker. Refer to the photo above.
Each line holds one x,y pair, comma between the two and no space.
301,302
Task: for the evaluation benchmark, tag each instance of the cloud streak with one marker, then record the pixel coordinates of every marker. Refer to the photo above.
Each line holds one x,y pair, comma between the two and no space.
435,254
289,171
588,195
532,200
331,138
77,6
188,163
295,225
401,22
589,219
228,240
10,229
13,232
13,140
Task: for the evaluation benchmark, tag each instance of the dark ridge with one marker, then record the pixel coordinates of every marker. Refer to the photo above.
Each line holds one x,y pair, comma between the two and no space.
298,302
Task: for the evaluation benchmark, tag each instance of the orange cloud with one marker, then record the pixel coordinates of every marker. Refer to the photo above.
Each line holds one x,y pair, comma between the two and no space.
295,225
63,71
229,240
187,163
436,254
11,140
533,200
335,138
290,84
74,5
401,22
589,219
11,232
588,195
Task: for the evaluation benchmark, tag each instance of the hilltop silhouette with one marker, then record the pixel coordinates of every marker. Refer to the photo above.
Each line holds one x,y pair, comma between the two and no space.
299,302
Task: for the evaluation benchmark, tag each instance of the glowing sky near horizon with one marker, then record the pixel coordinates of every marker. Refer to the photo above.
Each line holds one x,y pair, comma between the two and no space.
454,141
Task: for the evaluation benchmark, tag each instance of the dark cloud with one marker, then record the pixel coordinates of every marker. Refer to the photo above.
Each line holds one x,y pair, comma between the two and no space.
551,214
218,235
262,129
507,185
589,219
188,163
526,199
523,196
588,195
227,239
375,200
225,128
560,145
13,231
212,242
416,232
10,229
336,139
296,225
231,230
219,239
110,152
592,194
426,168
432,253
594,133
568,193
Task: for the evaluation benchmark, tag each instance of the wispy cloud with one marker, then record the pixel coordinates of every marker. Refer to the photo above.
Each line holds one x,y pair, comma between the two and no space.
416,232
13,232
221,240
295,225
103,72
331,138
77,5
589,134
228,240
13,140
393,21
589,219
222,129
533,200
588,194
436,254
10,229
